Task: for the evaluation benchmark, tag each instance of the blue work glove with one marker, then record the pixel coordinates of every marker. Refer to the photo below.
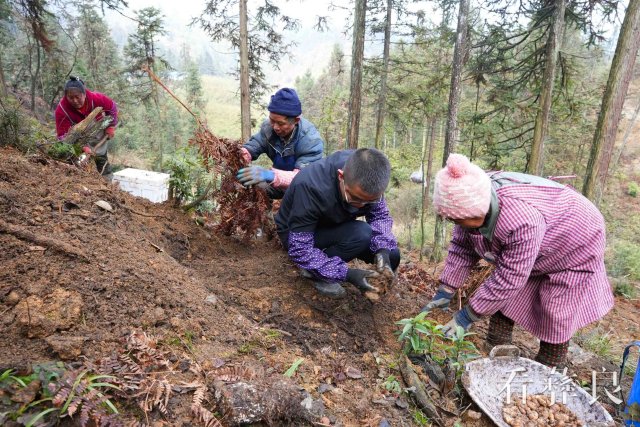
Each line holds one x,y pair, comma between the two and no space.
441,299
255,175
463,318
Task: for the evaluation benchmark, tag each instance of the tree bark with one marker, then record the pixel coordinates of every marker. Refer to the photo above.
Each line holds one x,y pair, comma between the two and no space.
451,131
536,160
245,102
383,80
3,84
612,102
451,135
355,97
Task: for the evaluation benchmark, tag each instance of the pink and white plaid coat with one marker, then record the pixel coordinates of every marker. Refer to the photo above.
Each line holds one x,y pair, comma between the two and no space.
548,248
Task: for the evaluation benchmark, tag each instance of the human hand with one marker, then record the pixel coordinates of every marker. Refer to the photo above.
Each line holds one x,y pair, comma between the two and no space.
463,318
441,299
383,264
358,278
254,175
110,131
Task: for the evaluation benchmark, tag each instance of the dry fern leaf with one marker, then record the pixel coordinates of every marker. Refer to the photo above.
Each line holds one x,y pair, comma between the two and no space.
205,416
198,395
230,374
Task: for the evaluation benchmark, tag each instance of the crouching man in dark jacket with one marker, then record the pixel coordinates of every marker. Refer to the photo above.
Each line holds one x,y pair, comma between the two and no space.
317,221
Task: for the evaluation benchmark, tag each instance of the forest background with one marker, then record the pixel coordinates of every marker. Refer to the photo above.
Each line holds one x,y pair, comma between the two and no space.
531,76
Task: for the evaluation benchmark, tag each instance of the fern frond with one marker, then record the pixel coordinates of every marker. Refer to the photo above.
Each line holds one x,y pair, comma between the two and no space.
234,374
205,416
198,395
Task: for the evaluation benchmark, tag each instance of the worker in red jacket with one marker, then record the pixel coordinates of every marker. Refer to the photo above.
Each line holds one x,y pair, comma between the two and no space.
76,104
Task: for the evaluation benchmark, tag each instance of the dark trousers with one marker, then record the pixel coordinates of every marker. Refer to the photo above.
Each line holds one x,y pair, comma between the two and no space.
348,241
103,165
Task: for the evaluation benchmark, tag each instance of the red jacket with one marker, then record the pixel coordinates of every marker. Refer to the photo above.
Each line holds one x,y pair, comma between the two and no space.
67,116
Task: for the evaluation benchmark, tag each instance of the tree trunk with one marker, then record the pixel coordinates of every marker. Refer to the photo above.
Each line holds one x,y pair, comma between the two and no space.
426,176
439,230
245,102
355,98
383,80
536,160
451,132
612,102
3,84
451,135
423,204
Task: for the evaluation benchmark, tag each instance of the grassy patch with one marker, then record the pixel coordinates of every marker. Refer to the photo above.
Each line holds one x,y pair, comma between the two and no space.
624,261
624,288
595,342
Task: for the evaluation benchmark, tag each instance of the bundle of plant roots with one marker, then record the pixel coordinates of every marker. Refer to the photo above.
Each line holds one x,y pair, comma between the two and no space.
242,210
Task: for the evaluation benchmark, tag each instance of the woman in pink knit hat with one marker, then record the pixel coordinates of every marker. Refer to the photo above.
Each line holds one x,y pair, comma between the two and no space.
547,243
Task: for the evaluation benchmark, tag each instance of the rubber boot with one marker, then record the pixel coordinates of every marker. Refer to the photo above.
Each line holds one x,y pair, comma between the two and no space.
324,287
329,289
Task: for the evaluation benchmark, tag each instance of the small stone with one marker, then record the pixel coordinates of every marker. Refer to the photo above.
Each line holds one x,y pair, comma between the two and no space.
159,314
13,298
68,348
472,415
211,299
184,365
372,296
323,388
402,403
27,394
353,373
384,423
104,205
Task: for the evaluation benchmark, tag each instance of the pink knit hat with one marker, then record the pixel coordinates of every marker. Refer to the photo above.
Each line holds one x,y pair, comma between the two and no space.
462,190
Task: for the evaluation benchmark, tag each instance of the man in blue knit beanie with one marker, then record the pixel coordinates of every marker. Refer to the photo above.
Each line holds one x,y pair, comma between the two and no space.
290,141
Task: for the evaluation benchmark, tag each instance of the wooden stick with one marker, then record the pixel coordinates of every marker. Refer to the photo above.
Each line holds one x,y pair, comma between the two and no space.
419,391
48,242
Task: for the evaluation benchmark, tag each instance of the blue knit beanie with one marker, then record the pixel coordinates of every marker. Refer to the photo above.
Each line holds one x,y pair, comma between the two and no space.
285,102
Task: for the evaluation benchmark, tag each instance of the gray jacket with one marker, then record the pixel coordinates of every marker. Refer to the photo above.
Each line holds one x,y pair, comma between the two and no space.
306,146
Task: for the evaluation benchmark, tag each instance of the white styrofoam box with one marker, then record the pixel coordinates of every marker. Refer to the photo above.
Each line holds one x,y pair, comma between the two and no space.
152,186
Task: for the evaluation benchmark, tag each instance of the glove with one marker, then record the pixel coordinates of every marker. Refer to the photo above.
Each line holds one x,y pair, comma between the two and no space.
358,278
441,299
255,175
111,132
463,318
383,265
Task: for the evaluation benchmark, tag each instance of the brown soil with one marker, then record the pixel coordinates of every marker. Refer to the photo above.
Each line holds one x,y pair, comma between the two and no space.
75,279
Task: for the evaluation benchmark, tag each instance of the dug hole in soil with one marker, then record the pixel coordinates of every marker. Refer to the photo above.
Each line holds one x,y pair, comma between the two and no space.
76,280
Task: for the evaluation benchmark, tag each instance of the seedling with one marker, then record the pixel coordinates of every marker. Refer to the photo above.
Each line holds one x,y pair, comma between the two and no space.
392,385
421,336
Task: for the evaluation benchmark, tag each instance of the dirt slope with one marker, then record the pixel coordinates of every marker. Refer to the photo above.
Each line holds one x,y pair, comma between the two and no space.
75,279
